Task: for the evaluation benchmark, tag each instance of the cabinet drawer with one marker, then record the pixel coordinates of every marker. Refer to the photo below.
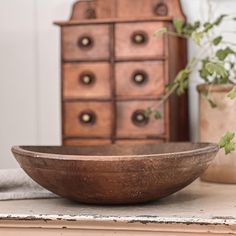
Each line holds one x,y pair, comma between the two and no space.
139,79
88,42
87,119
131,120
136,40
86,142
90,80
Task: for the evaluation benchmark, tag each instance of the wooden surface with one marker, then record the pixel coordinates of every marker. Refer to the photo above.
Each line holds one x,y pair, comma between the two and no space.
200,209
115,174
106,41
127,126
178,109
144,79
99,49
74,80
127,48
121,9
99,127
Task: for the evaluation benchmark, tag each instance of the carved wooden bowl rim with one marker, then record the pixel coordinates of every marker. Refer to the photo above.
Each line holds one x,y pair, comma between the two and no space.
204,148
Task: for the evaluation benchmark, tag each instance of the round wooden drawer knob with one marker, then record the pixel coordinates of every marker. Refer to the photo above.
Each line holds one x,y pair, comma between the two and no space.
87,79
87,118
139,38
140,78
85,42
161,9
139,118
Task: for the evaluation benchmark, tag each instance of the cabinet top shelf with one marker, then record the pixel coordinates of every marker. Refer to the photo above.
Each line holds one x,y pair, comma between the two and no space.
114,20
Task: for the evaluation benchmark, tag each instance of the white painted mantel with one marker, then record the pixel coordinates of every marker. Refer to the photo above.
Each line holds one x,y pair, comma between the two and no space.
30,71
200,209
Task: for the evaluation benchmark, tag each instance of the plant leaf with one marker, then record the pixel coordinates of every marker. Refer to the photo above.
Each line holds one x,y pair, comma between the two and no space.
196,25
217,68
212,103
160,31
223,53
148,112
182,75
207,27
228,137
204,73
157,115
232,93
230,147
197,37
181,81
205,93
219,20
216,41
227,142
178,24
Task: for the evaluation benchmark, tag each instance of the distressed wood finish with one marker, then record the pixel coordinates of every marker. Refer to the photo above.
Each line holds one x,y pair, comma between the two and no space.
178,108
87,119
116,174
122,9
131,120
107,43
144,79
75,49
128,40
86,80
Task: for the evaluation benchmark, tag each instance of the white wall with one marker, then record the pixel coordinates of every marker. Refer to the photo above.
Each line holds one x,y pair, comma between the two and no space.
29,74
30,71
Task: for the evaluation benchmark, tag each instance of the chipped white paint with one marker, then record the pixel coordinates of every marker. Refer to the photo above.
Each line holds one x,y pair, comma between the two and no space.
201,208
121,219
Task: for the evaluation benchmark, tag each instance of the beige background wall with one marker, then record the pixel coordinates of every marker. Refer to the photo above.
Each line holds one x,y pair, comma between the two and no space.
29,71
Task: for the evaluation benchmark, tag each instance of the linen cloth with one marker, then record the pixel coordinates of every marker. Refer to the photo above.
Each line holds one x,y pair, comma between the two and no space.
16,184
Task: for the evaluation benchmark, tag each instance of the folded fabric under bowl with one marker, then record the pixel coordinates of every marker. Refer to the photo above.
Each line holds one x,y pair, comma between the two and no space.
15,184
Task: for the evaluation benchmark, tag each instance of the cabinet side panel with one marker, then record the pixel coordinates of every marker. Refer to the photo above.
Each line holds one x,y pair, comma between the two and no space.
179,115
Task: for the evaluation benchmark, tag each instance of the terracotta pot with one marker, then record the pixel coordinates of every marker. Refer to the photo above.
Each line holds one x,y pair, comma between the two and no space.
214,123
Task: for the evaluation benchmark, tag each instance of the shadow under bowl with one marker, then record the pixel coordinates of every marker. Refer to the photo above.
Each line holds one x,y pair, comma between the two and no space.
116,174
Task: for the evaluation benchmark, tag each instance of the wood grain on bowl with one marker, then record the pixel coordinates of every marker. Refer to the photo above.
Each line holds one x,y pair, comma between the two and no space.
116,174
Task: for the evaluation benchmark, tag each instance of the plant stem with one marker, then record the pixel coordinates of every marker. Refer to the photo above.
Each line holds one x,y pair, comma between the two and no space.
165,97
176,35
190,66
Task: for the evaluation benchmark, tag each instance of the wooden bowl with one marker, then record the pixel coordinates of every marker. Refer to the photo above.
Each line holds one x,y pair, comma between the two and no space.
116,174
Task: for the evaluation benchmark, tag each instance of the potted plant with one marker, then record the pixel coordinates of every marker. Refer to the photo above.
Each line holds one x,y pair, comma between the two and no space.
216,62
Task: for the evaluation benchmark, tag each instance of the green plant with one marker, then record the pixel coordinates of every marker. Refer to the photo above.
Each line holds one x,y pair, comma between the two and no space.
217,60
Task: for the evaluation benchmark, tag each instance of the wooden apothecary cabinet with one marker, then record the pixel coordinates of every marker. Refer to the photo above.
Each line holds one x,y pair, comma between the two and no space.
113,69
